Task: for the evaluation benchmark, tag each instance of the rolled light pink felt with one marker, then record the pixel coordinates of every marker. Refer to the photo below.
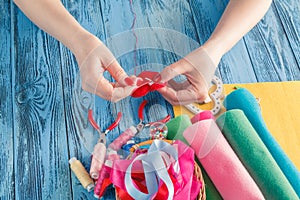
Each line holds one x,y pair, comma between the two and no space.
220,162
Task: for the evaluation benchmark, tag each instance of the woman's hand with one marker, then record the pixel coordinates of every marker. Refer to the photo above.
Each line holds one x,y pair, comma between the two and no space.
199,68
238,18
94,58
92,55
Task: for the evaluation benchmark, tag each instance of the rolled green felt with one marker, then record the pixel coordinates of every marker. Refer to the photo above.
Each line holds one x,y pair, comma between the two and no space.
255,156
176,127
244,100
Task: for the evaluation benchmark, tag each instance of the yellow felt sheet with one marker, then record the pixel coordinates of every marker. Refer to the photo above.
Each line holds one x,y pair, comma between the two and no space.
280,104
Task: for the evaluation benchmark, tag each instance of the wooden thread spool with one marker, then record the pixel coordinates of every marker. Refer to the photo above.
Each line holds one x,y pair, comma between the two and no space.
82,175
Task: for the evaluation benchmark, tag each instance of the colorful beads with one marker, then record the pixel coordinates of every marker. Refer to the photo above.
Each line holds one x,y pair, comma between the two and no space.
158,130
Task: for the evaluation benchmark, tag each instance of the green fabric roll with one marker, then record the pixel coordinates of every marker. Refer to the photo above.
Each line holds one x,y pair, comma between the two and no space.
255,156
176,127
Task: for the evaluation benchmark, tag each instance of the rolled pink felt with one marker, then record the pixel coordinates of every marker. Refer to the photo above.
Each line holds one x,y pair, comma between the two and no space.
220,162
206,114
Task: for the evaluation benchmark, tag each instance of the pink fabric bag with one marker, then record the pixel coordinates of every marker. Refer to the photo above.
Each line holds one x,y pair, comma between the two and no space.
179,167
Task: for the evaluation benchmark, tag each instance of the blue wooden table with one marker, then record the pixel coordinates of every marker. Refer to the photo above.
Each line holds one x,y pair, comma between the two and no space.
43,111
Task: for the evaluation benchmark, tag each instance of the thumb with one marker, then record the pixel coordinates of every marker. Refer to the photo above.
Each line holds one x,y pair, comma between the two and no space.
170,72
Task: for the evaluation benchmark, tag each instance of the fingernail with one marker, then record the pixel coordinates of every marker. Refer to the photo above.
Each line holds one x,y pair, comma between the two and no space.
157,78
139,82
129,81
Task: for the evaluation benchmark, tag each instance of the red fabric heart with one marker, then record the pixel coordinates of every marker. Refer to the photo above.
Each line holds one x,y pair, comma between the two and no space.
147,85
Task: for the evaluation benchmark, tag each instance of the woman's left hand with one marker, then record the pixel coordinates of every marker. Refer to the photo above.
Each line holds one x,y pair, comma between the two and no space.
199,68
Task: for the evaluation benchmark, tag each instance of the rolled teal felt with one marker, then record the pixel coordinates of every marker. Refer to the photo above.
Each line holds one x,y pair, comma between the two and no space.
242,99
255,156
176,127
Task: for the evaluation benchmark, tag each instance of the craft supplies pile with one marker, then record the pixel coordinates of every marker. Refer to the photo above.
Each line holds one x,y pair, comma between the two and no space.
233,156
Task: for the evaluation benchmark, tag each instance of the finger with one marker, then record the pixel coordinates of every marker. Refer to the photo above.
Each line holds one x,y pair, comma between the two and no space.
179,85
117,72
182,97
110,64
121,93
197,81
100,93
171,71
133,80
130,81
108,91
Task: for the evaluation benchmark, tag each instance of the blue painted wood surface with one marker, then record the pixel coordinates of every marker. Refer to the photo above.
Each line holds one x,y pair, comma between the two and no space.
7,185
40,136
43,111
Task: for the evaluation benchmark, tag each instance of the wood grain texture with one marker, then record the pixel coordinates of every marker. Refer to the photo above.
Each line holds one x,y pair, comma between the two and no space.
235,66
7,186
39,127
288,13
43,110
270,51
81,136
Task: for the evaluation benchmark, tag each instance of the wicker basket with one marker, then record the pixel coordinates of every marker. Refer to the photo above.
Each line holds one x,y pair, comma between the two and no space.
198,173
197,170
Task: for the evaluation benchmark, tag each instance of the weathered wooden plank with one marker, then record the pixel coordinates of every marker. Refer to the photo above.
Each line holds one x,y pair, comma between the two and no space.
81,136
235,66
7,186
41,154
288,13
270,51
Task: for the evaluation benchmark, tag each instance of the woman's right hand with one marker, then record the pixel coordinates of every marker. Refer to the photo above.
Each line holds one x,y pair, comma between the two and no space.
94,58
92,55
